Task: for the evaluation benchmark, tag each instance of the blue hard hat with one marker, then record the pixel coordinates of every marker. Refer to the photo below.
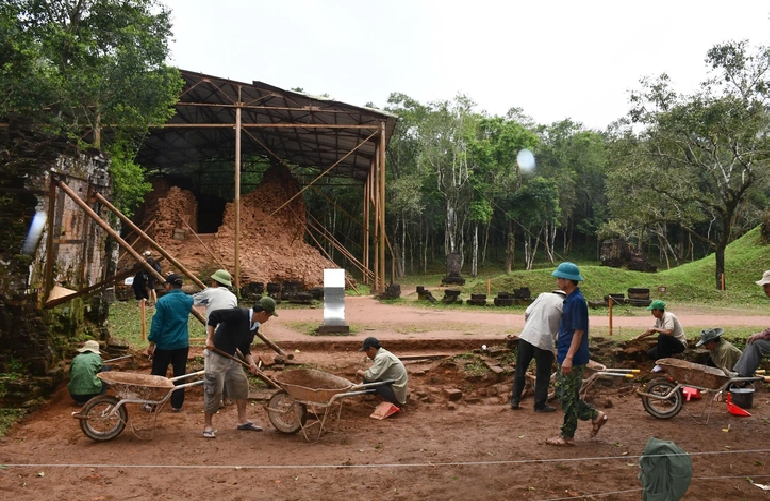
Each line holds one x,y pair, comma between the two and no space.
570,271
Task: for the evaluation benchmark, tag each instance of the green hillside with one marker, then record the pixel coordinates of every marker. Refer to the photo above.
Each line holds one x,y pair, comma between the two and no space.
745,261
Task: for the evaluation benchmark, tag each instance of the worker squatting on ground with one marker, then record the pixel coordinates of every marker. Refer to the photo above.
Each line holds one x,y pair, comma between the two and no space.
573,355
538,341
169,341
758,345
670,333
227,331
386,366
722,354
84,384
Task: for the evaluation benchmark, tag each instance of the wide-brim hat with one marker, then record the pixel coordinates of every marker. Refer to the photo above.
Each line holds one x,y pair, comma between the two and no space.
765,279
223,277
710,334
90,345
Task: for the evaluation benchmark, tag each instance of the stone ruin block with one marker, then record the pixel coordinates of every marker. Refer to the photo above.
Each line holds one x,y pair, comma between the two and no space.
454,263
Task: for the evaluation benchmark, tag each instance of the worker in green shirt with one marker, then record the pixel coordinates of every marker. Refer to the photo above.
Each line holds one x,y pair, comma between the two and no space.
84,384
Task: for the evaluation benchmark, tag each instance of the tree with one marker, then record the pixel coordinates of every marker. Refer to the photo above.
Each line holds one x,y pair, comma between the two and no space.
89,65
444,138
701,155
536,209
577,160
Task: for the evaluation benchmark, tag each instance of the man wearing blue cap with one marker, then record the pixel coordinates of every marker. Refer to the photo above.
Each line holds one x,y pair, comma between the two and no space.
573,355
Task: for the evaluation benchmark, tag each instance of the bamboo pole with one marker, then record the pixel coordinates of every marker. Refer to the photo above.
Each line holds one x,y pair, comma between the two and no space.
152,242
147,224
237,200
367,200
142,309
382,205
376,207
93,288
612,301
106,227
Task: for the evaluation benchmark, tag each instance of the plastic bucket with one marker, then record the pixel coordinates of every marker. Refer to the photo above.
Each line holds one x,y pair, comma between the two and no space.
742,397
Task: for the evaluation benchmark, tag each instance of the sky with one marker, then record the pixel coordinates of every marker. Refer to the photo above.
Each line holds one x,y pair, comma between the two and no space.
553,59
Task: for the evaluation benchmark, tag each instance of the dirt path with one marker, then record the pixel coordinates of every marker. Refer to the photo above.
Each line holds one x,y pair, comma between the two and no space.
475,448
388,321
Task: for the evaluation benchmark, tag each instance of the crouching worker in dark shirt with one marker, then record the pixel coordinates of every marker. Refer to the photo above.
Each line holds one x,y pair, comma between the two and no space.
227,331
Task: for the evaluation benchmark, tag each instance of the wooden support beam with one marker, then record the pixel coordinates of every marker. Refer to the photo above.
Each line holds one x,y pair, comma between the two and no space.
382,206
162,251
94,288
106,227
149,240
237,200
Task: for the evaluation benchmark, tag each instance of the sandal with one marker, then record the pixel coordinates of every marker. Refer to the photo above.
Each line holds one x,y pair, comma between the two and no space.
248,427
600,421
209,434
560,441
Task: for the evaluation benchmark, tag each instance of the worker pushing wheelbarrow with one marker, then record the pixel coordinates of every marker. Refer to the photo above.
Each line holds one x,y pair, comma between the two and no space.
663,396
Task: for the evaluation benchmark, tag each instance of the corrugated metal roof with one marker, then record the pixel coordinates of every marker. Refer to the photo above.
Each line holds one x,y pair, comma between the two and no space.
301,129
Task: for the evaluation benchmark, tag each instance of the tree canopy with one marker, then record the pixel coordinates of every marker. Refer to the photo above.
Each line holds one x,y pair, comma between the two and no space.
83,67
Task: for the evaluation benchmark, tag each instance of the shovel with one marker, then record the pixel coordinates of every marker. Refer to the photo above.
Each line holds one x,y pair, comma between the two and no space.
735,410
261,374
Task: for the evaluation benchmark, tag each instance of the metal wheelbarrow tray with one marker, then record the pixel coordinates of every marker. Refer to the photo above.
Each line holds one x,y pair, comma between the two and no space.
663,399
104,417
305,389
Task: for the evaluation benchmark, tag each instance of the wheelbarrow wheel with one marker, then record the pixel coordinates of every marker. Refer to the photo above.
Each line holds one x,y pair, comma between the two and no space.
100,423
286,414
659,407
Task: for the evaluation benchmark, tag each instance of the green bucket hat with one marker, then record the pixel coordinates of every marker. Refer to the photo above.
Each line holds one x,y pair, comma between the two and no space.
657,305
568,271
223,277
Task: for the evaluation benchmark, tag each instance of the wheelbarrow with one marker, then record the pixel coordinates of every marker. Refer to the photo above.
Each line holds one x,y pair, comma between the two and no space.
105,417
663,399
307,391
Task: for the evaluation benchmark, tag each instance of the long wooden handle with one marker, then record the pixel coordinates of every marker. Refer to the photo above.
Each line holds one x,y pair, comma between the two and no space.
261,374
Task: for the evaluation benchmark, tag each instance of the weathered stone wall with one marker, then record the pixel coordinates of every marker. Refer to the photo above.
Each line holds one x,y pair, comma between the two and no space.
32,338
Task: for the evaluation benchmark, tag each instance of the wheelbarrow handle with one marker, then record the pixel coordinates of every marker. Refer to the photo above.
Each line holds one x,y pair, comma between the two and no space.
372,385
259,372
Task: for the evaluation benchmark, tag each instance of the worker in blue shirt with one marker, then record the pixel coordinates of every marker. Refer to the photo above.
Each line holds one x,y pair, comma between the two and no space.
169,341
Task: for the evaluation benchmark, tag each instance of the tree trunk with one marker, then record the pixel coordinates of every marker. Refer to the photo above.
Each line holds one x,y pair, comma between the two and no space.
475,259
509,249
486,241
719,257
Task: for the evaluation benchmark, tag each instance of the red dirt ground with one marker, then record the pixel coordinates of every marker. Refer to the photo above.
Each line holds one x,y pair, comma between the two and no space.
479,450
